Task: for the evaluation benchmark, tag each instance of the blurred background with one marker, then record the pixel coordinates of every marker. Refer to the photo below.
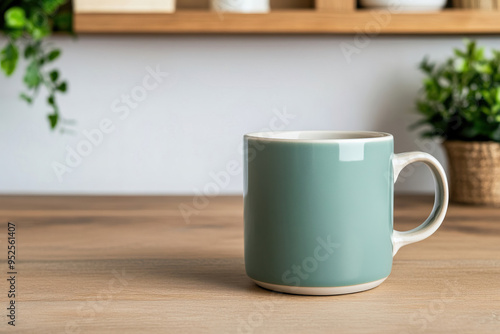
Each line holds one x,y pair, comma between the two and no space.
208,91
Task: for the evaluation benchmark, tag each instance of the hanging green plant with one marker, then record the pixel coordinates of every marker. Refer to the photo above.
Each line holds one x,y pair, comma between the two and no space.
27,24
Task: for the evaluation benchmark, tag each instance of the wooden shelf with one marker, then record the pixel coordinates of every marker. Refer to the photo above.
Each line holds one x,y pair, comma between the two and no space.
293,22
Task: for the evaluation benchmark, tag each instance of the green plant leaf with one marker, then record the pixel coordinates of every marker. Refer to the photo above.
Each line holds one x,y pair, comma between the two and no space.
29,51
461,65
53,55
471,48
50,6
15,34
63,22
38,24
479,54
63,87
495,135
15,18
51,100
54,75
26,98
32,77
459,53
8,59
426,66
484,68
53,119
469,132
39,33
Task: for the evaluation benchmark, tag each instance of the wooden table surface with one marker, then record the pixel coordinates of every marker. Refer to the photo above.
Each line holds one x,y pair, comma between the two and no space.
135,265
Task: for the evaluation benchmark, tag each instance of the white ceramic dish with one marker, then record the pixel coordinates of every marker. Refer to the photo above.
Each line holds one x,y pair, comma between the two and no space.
240,6
124,6
405,5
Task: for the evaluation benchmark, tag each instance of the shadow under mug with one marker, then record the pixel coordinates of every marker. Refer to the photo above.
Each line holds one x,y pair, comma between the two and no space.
318,208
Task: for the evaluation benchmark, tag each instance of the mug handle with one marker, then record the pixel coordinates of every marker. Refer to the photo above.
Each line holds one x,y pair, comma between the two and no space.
432,223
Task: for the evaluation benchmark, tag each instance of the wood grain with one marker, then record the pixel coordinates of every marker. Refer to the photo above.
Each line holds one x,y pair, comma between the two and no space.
133,264
336,5
295,22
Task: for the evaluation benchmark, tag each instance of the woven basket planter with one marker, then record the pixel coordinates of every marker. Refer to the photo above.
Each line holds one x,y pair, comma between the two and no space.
474,169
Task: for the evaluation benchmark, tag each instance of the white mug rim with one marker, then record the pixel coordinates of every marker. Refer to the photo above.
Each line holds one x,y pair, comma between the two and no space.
318,136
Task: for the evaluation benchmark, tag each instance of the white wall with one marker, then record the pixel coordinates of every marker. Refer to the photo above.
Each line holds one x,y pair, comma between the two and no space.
219,87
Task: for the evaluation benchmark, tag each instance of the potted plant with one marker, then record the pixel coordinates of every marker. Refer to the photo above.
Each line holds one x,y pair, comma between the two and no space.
460,103
27,24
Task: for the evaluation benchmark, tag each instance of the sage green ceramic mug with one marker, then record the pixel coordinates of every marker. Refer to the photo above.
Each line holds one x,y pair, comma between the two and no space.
319,209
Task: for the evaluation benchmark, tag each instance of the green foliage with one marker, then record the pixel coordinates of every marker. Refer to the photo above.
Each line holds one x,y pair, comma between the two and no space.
461,97
15,18
26,24
8,58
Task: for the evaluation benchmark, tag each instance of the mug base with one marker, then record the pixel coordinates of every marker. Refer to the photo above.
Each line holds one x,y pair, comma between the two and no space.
320,291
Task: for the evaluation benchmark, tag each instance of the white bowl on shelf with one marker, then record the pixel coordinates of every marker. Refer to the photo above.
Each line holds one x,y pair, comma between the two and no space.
240,6
405,5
